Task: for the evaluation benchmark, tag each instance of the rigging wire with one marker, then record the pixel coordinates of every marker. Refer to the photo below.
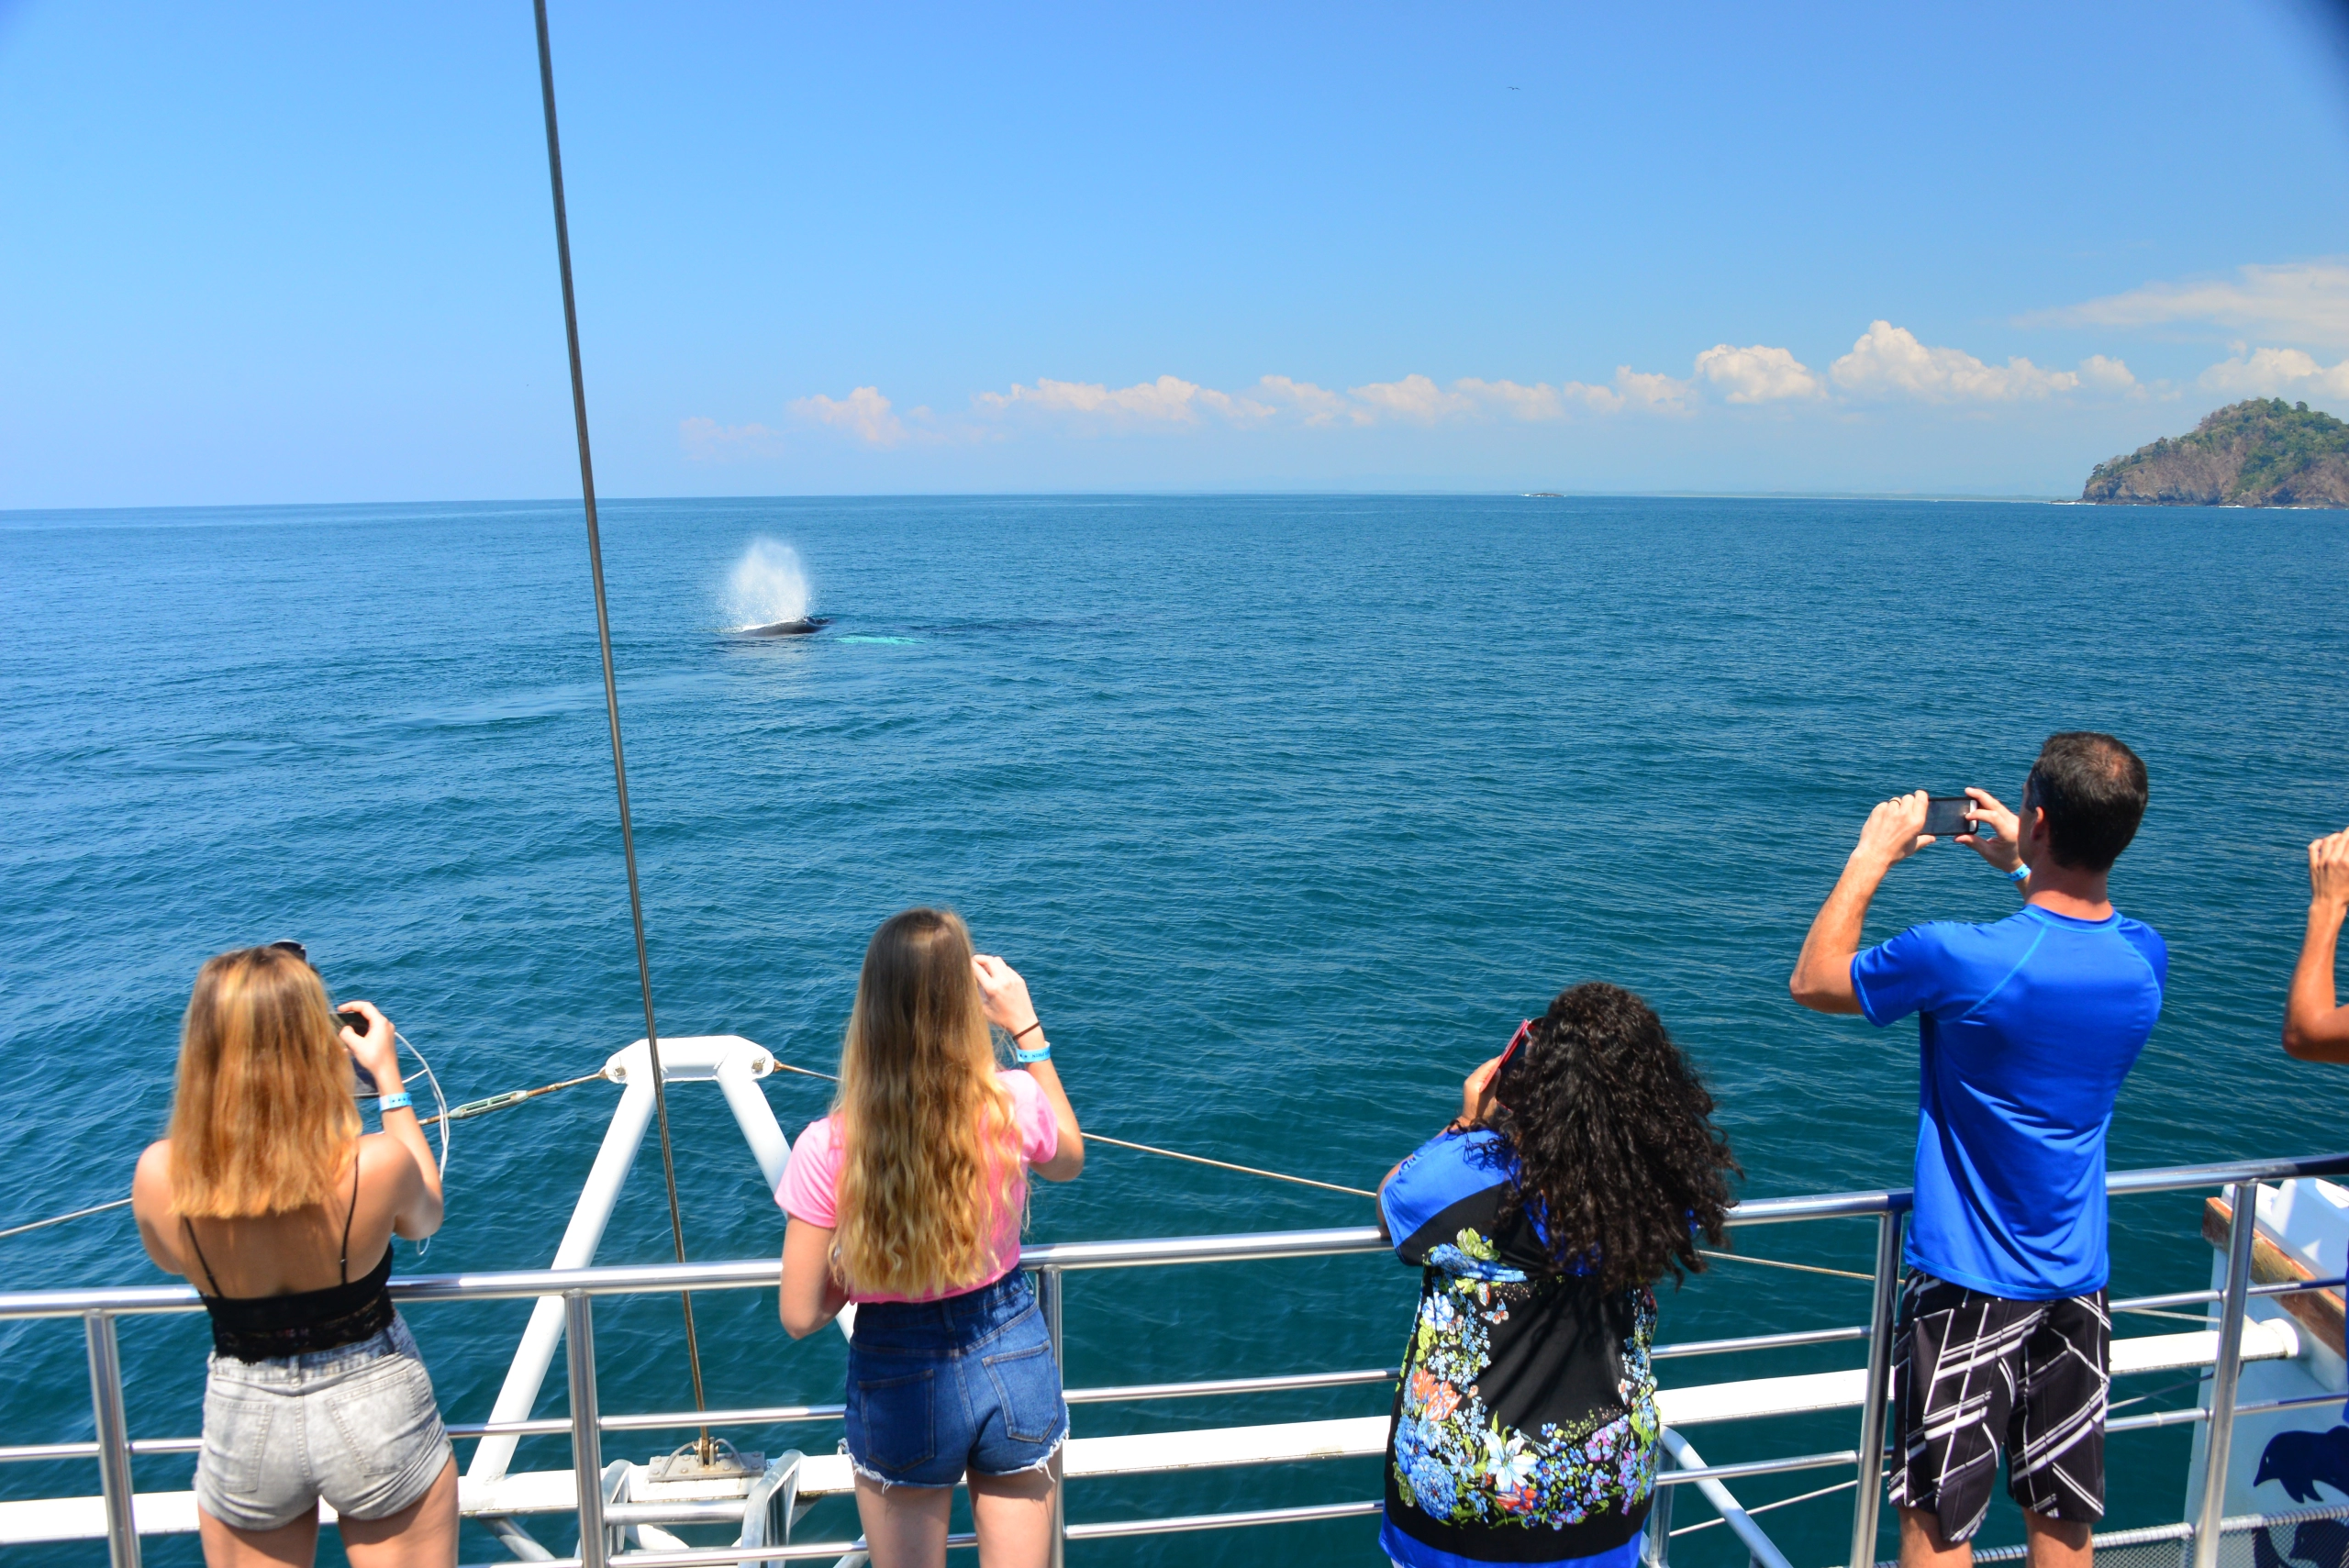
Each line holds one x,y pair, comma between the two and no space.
445,1117
1765,1508
1783,1264
1148,1148
612,691
62,1219
783,1066
471,1108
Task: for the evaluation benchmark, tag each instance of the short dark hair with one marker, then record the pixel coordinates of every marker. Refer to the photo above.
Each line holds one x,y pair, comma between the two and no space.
2093,789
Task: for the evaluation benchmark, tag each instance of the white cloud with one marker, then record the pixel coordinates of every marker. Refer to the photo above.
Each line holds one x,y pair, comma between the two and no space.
863,413
2307,300
1758,374
2106,374
2277,373
1419,400
1650,390
706,440
1415,398
1888,362
1314,405
1169,400
1531,405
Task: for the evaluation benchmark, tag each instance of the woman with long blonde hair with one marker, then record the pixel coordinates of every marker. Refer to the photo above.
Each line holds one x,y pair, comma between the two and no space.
267,1198
908,1200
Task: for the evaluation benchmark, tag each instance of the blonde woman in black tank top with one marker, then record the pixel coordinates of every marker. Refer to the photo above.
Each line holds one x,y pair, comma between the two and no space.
271,1203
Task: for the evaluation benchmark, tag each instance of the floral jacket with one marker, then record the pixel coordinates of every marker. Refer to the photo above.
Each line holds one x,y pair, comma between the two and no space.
1525,1426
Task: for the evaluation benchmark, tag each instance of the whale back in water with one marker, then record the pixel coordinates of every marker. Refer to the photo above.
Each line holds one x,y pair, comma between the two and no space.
800,628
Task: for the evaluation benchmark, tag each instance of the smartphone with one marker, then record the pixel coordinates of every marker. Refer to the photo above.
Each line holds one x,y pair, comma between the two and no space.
1945,814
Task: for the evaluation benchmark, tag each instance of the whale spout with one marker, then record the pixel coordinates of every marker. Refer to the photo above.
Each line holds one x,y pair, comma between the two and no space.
799,628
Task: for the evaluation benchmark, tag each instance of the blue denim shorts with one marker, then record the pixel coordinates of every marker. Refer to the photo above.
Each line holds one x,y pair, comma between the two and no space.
939,1387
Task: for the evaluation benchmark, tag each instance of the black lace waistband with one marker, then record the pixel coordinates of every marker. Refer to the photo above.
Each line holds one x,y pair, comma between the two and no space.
271,1327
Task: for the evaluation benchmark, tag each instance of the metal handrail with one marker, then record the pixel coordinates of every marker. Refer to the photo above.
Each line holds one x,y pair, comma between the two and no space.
1244,1247
576,1288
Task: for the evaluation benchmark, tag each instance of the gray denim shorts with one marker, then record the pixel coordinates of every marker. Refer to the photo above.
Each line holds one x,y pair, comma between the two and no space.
357,1426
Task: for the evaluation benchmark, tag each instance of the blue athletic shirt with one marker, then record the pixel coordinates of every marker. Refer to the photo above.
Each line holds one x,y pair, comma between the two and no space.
2027,1028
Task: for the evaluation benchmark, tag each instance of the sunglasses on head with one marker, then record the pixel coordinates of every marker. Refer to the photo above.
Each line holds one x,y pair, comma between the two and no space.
296,948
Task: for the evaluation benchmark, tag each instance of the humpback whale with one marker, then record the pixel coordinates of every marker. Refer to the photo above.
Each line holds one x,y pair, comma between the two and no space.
800,628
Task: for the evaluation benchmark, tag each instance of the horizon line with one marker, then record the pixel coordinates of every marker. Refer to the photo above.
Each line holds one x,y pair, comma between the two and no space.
2012,497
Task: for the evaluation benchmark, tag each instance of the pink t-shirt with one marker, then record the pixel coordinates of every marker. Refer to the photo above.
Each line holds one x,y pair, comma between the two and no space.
811,1182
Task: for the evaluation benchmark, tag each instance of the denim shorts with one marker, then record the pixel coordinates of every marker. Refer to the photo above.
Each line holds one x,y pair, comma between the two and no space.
356,1425
939,1387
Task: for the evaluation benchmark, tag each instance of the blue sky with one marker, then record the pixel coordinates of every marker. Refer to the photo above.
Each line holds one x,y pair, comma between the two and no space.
304,254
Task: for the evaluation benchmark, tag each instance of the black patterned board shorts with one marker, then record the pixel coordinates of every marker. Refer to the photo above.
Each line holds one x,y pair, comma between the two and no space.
1973,1374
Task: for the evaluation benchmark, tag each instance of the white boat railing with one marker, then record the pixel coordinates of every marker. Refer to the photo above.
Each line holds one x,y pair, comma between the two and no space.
115,1449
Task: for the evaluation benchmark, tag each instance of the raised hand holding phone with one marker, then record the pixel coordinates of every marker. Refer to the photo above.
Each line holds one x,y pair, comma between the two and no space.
374,1044
2004,852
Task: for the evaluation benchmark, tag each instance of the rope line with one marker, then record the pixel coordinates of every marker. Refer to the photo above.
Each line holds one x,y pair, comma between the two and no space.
1765,1508
1782,1264
62,1219
2157,1312
782,1066
1150,1147
471,1108
1227,1165
512,1097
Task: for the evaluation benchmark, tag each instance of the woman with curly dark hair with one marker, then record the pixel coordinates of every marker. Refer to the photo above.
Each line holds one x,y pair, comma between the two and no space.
1584,1167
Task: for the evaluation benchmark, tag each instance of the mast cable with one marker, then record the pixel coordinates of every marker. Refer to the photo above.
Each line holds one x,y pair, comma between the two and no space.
612,695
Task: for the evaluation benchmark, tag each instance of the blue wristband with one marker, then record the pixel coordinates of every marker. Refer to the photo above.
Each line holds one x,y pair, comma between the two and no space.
399,1102
2018,874
1025,1057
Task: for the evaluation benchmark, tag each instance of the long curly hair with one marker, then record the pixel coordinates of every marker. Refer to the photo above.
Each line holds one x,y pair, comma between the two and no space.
932,1159
1616,1149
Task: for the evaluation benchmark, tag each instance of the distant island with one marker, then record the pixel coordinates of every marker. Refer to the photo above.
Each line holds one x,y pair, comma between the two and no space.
2265,452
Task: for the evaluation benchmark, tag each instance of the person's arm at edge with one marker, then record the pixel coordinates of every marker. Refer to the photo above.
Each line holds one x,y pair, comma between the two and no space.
1822,976
1068,1153
420,1208
1475,1103
2004,851
2315,1030
1004,995
810,1296
151,1205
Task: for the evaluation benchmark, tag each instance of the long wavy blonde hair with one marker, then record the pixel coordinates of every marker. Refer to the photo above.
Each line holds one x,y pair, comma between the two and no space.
931,1154
263,1118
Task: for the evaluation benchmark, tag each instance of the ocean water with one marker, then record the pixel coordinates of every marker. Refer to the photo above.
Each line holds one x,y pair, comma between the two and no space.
1288,808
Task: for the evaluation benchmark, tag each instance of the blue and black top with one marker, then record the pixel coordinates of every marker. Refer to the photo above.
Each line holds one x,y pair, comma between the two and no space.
1525,1426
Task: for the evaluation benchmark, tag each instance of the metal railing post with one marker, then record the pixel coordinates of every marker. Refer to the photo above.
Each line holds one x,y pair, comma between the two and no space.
114,1437
1867,1498
1656,1551
586,1438
1048,1298
2242,1230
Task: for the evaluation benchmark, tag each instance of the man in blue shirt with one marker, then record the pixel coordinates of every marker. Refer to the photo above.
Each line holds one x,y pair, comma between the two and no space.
2027,1028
